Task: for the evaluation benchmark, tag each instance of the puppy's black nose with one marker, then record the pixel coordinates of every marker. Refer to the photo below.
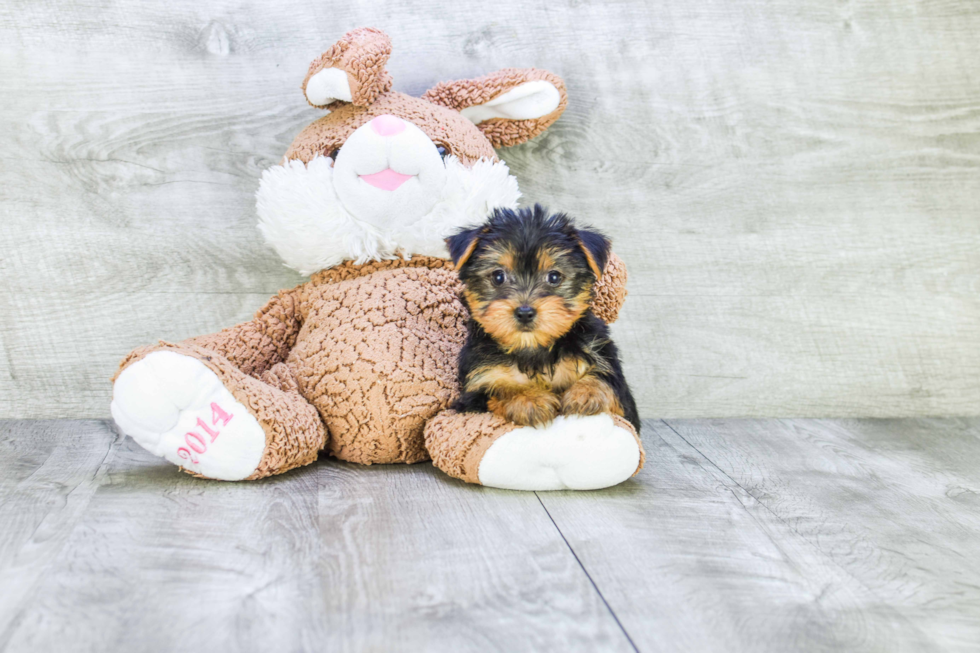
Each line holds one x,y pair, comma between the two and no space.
524,314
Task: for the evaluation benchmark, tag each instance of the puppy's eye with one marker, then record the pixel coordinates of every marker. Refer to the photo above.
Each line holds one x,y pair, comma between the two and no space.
554,277
443,152
497,277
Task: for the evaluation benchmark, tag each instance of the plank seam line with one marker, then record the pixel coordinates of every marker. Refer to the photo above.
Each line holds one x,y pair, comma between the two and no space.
800,535
587,575
765,507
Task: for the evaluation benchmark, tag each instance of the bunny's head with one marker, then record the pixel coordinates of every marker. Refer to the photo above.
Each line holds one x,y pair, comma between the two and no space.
384,174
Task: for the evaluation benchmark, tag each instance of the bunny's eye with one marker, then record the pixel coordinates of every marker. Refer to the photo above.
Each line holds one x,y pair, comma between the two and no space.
443,152
334,152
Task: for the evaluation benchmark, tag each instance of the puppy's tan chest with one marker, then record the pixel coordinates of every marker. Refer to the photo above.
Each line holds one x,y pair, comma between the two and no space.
508,377
567,372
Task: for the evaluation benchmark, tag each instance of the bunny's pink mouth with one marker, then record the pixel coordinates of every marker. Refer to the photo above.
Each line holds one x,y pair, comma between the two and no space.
387,179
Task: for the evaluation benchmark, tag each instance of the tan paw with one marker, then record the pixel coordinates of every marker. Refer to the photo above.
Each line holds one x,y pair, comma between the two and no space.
590,396
532,408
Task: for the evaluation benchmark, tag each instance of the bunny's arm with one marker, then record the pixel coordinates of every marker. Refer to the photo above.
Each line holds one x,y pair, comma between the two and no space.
257,345
252,347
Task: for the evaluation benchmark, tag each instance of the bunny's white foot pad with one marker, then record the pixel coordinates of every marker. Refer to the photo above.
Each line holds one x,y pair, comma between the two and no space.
176,408
572,453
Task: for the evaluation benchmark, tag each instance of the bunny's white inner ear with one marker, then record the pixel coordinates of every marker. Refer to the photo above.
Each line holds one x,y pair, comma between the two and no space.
528,101
328,85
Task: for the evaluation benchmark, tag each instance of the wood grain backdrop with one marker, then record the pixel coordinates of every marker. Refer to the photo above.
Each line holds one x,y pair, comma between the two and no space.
795,184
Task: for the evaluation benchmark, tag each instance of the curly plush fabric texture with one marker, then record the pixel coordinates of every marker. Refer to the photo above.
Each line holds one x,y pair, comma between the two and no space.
361,358
444,126
356,361
610,291
294,431
501,133
458,442
362,54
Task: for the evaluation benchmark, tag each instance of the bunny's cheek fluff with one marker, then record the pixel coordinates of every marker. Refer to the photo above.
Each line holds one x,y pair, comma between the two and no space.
310,212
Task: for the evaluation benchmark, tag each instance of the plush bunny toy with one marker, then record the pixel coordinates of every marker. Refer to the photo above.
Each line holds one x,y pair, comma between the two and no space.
361,360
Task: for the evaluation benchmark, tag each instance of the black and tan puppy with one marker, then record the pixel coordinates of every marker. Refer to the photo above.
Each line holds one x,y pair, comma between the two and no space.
534,349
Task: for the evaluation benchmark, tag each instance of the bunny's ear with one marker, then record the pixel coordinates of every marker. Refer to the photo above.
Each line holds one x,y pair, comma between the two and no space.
510,106
352,70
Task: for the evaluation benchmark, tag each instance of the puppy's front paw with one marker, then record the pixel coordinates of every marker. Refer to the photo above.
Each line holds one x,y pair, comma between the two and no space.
527,409
590,396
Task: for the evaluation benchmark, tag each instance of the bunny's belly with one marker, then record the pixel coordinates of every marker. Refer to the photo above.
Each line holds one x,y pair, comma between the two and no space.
378,357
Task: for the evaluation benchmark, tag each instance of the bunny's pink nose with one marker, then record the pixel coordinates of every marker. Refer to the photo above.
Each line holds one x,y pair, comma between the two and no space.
387,125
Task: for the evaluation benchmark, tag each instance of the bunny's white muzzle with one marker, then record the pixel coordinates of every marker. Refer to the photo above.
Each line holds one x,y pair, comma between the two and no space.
387,171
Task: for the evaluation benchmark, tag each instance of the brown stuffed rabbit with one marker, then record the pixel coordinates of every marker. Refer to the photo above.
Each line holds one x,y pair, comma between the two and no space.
361,359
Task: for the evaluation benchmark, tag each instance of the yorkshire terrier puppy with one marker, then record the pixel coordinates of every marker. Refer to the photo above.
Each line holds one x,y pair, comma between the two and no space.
534,348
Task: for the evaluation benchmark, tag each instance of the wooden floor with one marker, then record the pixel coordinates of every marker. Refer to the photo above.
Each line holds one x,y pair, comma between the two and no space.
739,535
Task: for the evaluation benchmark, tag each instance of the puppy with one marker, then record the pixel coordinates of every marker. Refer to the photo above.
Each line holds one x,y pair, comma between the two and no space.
534,349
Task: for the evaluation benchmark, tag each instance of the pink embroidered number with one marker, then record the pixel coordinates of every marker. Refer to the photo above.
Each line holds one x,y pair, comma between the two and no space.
196,442
219,415
201,445
187,455
211,432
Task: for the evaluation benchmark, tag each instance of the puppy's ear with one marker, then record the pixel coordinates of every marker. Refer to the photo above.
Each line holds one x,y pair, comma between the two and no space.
596,248
462,244
352,70
509,106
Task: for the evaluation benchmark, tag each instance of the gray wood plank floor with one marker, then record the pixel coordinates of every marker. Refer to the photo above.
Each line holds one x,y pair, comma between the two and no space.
762,535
